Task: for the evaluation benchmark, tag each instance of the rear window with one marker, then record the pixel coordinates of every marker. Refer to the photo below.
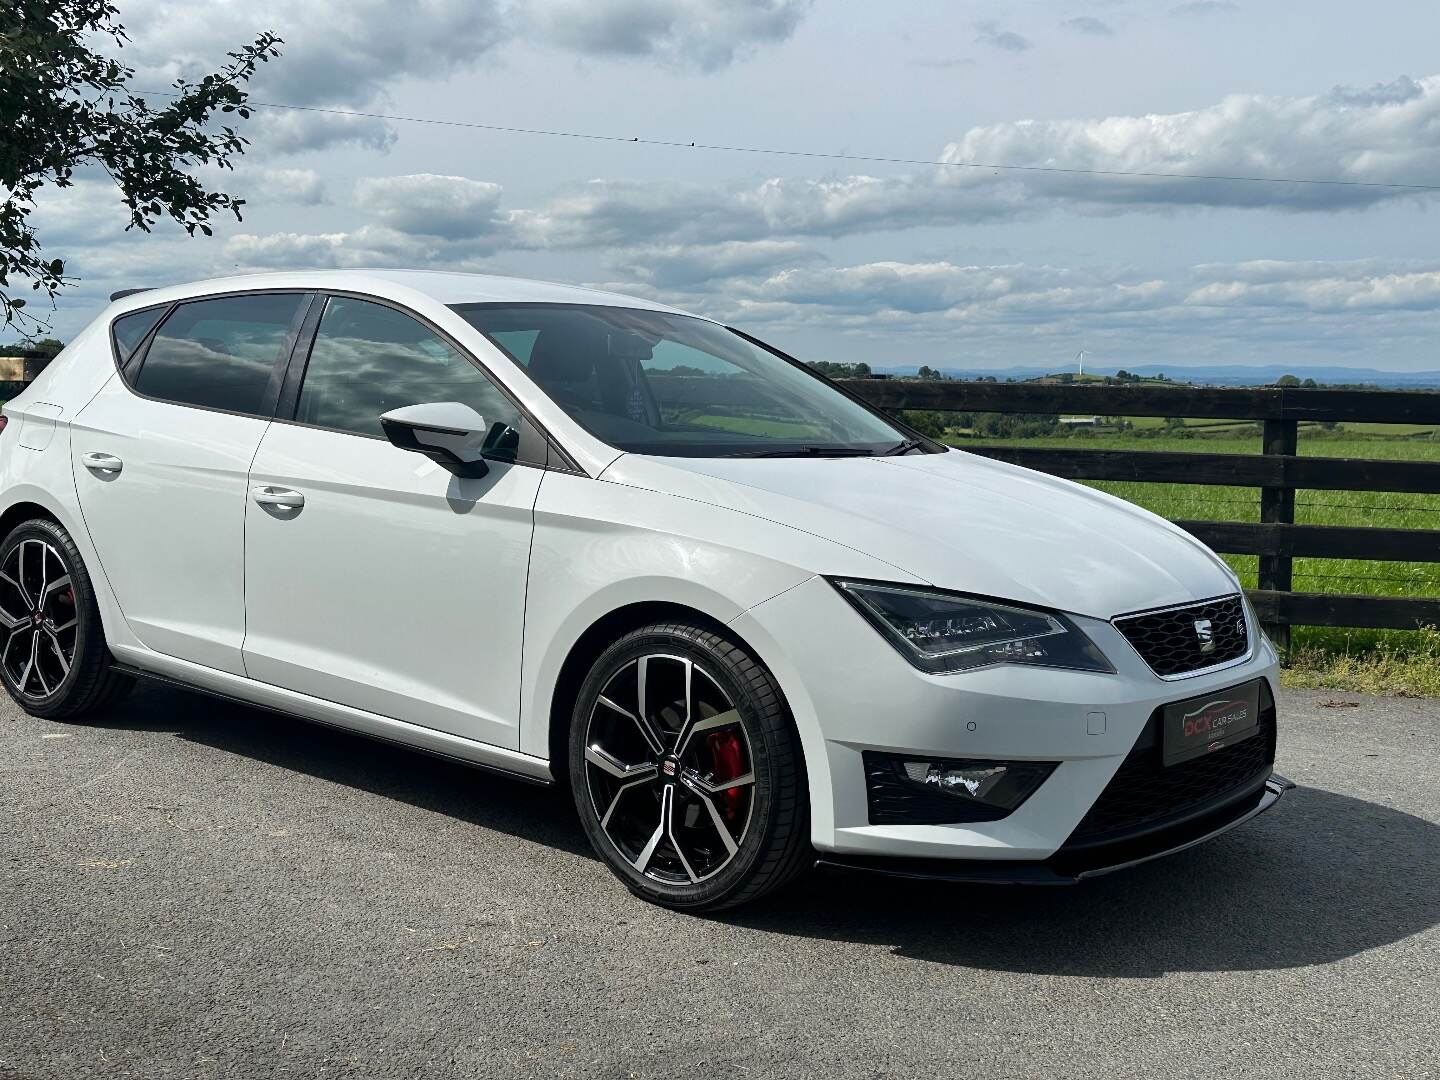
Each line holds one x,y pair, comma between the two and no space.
220,353
130,331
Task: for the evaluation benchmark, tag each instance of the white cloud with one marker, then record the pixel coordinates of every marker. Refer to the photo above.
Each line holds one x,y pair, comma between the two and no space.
1025,314
1330,288
990,32
366,246
1396,92
1205,7
1378,135
1023,291
334,53
301,186
704,34
686,266
959,292
1374,139
607,212
348,53
1017,313
424,204
666,234
1088,24
279,132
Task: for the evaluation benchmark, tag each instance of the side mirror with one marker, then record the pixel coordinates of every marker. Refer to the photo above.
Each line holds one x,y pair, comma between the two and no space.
447,432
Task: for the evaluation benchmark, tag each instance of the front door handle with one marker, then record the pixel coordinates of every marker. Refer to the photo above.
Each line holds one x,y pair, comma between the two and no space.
266,495
103,463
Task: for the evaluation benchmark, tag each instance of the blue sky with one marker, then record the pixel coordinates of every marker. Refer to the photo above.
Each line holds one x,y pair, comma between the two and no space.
845,260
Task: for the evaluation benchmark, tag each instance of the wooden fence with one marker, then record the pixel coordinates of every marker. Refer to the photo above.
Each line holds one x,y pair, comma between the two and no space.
1277,471
18,372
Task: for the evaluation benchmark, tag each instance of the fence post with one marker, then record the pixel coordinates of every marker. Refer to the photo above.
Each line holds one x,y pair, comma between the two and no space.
1277,505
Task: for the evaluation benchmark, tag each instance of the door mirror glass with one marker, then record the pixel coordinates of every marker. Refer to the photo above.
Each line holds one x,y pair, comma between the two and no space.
449,433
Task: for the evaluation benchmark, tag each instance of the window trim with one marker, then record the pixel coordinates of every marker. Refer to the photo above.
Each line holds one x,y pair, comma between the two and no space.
549,454
129,370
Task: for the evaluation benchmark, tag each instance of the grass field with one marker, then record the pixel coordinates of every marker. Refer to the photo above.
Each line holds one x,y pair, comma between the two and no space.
1323,655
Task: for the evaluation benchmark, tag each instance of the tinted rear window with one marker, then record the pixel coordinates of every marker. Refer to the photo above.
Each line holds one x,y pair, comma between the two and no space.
131,329
221,353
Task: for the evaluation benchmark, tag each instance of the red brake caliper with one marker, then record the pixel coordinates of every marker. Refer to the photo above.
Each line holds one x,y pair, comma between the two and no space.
729,758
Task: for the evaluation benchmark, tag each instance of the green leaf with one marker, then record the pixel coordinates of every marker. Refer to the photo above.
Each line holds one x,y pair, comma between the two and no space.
65,106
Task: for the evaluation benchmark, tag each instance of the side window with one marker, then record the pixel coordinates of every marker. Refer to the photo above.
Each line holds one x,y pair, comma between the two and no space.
518,343
131,329
368,359
221,353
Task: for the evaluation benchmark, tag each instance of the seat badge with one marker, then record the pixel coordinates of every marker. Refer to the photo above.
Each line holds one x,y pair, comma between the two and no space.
1205,635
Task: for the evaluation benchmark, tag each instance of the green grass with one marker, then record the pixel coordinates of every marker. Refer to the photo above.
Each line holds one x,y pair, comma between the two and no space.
1406,665
1355,659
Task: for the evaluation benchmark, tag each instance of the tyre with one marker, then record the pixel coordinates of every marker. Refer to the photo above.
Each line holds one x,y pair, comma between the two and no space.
54,660
687,771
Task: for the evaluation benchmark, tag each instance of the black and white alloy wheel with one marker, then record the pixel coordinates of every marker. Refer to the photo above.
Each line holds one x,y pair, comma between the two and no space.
668,769
54,660
686,769
37,610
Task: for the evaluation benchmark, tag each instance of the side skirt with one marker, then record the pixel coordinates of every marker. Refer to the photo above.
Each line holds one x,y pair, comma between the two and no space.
184,675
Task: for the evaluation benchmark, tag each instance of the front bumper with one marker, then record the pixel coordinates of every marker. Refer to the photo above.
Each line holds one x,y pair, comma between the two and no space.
1069,867
851,692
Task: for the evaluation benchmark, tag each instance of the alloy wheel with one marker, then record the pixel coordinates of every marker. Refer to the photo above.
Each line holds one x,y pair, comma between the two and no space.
669,769
38,618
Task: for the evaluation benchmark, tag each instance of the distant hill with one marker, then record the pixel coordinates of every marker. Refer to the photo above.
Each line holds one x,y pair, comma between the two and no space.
1221,375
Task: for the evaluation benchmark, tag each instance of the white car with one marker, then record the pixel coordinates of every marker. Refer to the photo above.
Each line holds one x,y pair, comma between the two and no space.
582,538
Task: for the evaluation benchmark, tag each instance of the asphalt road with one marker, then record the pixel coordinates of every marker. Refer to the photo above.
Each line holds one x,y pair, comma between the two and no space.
193,889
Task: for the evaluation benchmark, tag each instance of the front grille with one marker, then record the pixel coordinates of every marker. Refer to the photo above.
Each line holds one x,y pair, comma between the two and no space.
1144,791
1170,643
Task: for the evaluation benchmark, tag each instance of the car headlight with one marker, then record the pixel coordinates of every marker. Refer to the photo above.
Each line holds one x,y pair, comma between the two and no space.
943,632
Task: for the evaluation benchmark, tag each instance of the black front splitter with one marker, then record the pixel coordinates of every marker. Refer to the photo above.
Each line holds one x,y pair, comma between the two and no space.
1071,867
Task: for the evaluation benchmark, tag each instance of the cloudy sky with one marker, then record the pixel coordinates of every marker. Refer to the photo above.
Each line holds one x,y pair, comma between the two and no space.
891,263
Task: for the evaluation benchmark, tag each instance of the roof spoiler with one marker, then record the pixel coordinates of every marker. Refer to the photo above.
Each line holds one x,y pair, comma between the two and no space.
120,294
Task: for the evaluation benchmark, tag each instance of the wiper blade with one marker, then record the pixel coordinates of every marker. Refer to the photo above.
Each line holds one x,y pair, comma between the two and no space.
905,447
807,451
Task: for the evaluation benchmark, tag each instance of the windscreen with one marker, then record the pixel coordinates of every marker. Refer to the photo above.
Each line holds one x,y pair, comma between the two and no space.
652,383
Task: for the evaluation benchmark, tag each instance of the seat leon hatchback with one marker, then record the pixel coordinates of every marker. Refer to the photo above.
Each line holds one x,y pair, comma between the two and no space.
748,620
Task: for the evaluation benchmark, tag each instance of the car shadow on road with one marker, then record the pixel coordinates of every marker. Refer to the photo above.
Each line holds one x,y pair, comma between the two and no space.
543,815
1321,877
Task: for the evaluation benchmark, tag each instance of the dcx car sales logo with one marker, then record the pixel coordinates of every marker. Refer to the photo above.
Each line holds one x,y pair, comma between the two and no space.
1214,719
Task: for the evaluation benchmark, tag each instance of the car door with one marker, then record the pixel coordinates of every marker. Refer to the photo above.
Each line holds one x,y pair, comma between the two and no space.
161,457
373,576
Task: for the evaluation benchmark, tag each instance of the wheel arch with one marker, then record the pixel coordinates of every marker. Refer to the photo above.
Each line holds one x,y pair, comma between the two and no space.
598,636
25,510
24,502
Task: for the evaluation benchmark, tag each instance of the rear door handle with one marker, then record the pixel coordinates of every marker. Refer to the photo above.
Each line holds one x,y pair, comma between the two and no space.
266,495
103,463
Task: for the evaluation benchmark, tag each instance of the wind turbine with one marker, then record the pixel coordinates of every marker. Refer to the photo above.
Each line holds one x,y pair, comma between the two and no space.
1080,360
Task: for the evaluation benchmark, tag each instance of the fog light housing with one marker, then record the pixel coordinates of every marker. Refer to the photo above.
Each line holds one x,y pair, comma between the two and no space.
914,790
